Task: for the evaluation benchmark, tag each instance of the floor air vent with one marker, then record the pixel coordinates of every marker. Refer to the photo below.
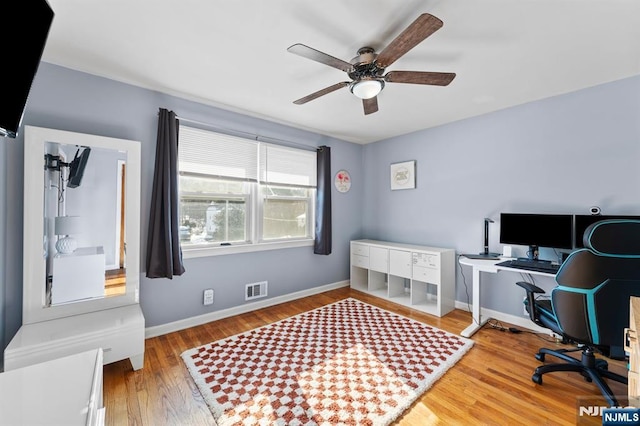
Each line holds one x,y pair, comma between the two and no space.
255,290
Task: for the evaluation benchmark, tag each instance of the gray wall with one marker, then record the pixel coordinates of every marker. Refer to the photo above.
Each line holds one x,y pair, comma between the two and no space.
65,99
559,155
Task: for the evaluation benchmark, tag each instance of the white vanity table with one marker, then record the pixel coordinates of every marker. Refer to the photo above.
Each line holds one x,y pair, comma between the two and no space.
83,317
118,331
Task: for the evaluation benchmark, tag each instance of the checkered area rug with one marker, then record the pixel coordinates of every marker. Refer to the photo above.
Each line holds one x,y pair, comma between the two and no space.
345,363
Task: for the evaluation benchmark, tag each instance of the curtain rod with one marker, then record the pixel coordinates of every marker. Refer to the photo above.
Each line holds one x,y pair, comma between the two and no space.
251,135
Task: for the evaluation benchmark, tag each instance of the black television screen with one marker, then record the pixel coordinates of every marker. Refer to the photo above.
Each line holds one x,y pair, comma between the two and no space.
23,35
582,222
537,230
77,166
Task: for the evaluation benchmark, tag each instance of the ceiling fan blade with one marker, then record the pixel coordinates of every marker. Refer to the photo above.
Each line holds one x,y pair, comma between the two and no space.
370,105
419,30
420,77
318,56
322,92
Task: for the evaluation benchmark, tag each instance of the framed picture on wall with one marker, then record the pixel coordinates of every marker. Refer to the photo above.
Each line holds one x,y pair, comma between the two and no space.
403,175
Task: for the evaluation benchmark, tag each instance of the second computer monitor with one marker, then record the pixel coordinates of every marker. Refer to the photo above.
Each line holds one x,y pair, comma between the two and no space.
582,222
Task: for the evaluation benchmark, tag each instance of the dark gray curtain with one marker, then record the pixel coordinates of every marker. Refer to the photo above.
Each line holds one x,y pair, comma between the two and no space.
322,243
164,255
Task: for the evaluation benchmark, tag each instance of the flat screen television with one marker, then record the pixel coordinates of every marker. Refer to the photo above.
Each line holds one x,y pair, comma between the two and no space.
537,230
77,166
23,35
582,222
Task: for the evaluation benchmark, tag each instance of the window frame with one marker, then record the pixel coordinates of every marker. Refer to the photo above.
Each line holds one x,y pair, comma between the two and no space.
310,200
255,200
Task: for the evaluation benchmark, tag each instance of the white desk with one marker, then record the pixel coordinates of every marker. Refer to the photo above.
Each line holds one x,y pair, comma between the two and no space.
478,266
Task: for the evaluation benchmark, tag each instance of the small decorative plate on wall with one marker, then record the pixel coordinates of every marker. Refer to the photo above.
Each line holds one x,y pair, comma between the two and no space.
342,181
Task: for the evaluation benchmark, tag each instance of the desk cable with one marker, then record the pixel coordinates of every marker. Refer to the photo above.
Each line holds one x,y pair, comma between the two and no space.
466,290
493,323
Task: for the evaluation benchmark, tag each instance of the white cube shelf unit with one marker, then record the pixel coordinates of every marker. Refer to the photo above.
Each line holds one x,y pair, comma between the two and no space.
416,276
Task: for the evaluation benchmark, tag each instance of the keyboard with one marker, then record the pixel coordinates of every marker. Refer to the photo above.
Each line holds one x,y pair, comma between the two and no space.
531,265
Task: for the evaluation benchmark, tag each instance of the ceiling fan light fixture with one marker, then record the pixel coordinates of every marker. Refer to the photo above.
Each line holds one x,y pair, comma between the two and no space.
367,89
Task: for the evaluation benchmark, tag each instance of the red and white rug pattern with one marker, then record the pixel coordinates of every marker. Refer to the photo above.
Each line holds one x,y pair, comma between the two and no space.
345,363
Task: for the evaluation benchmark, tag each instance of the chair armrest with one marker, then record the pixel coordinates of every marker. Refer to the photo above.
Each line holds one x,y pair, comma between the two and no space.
530,288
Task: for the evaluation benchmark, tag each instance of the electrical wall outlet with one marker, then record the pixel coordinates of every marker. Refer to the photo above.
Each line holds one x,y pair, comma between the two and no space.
208,297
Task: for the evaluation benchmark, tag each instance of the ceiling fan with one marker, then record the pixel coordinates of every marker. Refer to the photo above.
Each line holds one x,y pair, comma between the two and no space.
367,69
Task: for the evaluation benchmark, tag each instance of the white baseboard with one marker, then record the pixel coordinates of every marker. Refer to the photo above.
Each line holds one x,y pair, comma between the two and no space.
523,322
159,330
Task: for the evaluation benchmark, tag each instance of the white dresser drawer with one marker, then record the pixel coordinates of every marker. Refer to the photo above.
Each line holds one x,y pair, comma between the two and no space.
379,259
359,261
400,263
360,250
61,391
428,275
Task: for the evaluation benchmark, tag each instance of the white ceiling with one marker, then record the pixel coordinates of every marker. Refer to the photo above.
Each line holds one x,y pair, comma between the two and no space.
233,54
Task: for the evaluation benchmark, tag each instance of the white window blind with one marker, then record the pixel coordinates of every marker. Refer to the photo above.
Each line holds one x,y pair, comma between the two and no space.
280,165
201,152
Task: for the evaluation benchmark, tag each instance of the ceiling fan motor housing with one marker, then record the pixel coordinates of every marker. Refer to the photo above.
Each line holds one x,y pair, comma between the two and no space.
364,65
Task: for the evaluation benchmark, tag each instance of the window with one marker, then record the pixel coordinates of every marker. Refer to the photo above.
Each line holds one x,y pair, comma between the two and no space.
240,192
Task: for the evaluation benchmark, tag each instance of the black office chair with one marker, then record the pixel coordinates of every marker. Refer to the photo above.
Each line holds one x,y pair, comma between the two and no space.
590,305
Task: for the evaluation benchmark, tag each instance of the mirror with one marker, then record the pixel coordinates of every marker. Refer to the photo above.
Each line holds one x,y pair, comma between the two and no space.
84,237
81,223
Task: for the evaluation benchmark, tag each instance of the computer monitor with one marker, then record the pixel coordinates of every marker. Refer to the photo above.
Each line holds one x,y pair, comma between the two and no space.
537,230
582,222
77,166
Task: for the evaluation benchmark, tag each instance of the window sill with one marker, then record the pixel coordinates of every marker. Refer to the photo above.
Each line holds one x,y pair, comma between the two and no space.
194,252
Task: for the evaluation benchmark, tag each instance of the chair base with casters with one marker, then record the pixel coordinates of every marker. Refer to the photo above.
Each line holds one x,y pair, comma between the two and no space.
593,369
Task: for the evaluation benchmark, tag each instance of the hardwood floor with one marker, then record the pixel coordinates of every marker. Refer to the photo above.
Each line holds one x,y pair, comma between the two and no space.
114,283
491,384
